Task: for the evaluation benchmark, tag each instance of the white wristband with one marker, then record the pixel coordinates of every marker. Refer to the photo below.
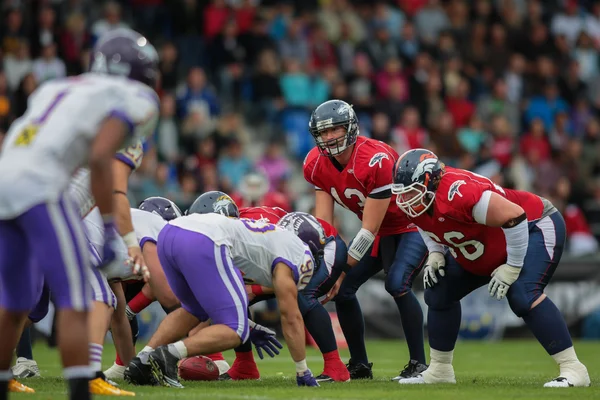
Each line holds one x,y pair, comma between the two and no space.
130,240
361,244
301,366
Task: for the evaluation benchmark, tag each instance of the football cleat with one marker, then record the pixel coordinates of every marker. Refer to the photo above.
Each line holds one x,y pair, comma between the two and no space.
436,373
360,370
164,367
102,387
571,375
138,373
17,387
412,369
115,372
25,368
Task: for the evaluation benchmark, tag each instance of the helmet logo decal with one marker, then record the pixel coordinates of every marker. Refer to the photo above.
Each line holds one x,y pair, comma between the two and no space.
344,109
378,159
425,166
326,123
454,189
221,204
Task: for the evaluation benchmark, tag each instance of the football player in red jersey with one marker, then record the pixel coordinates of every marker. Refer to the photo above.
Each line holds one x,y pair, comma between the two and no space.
316,318
357,173
510,240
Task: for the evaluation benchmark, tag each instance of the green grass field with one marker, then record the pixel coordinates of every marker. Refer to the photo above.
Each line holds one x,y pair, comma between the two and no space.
503,370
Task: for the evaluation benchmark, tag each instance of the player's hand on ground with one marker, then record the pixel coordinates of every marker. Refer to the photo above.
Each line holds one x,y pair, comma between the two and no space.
264,339
111,244
334,289
137,263
502,277
306,379
435,264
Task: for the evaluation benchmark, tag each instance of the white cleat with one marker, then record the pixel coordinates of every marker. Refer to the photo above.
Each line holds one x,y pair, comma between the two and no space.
440,373
574,375
222,365
115,372
25,368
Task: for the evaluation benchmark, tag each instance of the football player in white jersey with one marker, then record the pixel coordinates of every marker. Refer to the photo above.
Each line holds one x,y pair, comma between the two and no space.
69,123
203,256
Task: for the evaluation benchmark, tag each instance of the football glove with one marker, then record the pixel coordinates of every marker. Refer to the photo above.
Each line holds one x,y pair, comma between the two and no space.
502,277
306,379
264,339
436,263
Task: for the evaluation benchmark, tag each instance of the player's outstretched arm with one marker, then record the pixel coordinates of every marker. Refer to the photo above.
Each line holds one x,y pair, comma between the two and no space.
292,323
496,211
324,206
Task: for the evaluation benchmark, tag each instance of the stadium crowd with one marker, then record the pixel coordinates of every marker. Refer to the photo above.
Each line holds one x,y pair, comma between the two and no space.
507,88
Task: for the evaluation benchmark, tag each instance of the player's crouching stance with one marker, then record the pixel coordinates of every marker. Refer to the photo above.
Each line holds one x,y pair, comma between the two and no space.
198,254
508,239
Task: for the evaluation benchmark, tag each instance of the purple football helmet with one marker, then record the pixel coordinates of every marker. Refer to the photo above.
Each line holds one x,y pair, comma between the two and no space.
307,228
161,206
125,52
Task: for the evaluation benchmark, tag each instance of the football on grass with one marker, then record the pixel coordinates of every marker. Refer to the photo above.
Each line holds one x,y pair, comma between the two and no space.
198,368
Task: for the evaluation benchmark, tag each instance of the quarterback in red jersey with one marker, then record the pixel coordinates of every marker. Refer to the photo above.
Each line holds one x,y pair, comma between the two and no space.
356,173
508,239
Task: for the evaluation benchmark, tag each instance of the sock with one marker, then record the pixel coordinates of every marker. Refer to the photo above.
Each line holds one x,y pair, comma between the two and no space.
411,316
78,378
139,302
566,356
178,349
96,357
118,360
331,360
443,326
215,356
143,355
135,329
549,327
24,345
243,348
5,376
244,356
353,326
441,357
318,323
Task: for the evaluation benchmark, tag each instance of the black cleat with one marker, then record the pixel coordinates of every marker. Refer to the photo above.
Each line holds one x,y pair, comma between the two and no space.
164,367
324,378
224,377
360,370
411,370
138,373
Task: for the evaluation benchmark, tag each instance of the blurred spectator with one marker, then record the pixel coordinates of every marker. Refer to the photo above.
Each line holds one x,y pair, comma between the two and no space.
167,130
443,134
227,61
361,87
296,84
169,66
514,77
49,66
430,21
73,41
274,164
546,107
409,134
339,18
160,182
215,17
12,33
244,15
266,91
5,106
498,104
294,44
561,133
587,57
206,153
381,47
17,65
45,32
112,20
257,40
536,141
459,105
27,85
390,75
568,23
381,127
473,136
233,165
571,86
322,52
389,17
503,140
197,104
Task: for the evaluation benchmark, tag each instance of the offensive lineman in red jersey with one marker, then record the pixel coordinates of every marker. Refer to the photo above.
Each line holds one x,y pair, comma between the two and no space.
316,318
356,173
511,240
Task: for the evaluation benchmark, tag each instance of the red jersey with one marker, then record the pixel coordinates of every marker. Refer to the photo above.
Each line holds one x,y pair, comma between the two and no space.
328,228
368,174
271,199
478,248
271,214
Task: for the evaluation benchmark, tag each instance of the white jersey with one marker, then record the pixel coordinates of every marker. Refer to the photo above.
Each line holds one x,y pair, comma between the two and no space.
45,147
146,226
255,246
